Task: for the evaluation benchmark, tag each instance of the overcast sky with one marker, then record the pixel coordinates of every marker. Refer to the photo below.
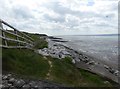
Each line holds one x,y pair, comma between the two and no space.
61,17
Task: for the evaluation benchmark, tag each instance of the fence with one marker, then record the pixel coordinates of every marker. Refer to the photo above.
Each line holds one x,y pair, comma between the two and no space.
13,38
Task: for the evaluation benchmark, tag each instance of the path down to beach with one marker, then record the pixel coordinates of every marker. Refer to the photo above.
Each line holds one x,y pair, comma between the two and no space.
48,74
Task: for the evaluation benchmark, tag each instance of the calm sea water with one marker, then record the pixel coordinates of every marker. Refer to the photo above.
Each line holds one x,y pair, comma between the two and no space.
103,48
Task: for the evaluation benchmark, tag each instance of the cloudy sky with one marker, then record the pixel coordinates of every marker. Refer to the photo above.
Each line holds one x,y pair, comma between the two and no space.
61,17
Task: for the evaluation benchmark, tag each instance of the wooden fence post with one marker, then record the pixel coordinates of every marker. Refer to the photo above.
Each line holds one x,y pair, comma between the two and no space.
17,38
1,26
3,34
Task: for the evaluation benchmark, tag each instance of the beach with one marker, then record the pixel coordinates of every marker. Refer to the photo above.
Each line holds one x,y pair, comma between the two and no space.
59,48
103,48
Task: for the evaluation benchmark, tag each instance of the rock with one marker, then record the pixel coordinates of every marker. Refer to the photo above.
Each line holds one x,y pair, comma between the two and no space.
111,70
13,87
11,80
26,86
91,63
65,52
5,87
32,84
73,61
19,83
85,60
9,75
4,82
13,83
9,85
106,82
36,87
105,66
5,77
116,73
85,57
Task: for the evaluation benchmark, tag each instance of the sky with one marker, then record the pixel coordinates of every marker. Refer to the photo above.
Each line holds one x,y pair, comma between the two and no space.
61,17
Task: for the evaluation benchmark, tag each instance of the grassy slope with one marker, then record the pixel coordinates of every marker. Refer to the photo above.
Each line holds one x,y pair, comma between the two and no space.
27,62
63,71
24,61
39,42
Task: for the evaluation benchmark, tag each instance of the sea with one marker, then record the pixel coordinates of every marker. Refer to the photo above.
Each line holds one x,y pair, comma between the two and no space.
102,47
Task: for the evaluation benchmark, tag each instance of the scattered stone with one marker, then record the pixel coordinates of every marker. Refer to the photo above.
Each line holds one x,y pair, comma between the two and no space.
26,86
36,87
85,60
5,77
9,75
5,86
11,81
73,61
116,72
32,84
105,66
19,83
14,83
13,87
55,51
106,82
91,63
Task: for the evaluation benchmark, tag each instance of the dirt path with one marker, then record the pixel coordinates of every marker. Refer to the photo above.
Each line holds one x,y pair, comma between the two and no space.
48,74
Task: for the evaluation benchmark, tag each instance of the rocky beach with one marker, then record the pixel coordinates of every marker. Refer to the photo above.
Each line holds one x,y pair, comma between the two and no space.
58,49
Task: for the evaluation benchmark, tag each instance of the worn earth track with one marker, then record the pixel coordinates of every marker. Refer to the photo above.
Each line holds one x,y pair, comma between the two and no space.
48,74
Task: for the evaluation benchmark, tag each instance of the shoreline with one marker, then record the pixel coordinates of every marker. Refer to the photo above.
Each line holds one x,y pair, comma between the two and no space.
87,53
80,59
95,58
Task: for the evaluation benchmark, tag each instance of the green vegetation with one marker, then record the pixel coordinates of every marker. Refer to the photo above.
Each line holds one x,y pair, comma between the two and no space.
39,40
41,44
24,62
63,71
31,64
28,63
